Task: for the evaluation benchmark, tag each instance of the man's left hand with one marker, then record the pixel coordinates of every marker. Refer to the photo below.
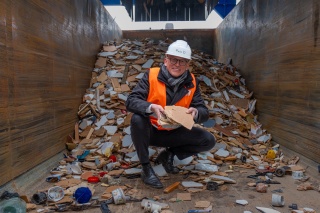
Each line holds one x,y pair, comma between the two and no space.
193,111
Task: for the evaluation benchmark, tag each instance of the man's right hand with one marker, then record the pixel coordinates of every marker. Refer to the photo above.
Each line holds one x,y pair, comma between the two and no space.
157,109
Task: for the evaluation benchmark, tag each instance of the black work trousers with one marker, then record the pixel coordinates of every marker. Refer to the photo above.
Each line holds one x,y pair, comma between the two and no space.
181,141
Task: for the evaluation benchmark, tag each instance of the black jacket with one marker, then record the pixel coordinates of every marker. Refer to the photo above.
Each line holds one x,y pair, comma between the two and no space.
137,100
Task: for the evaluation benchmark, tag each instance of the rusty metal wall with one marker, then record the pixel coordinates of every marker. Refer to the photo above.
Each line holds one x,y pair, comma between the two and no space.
47,52
275,43
200,39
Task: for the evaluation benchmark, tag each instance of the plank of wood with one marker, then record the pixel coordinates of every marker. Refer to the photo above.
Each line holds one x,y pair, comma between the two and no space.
171,187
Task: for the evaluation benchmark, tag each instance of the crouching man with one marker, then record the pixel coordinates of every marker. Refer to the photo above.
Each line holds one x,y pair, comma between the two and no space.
170,84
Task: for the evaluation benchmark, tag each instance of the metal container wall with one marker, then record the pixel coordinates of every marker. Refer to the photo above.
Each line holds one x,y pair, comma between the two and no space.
276,46
47,52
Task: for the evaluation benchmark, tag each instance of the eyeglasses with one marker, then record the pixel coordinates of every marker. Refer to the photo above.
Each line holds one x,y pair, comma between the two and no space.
175,60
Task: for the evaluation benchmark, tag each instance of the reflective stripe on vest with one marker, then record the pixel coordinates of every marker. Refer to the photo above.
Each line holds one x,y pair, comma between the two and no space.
157,94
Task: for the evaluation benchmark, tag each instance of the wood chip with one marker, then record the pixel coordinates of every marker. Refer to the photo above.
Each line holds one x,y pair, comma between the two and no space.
184,196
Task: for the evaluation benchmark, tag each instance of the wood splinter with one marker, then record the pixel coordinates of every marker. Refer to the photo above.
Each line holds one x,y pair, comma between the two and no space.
171,187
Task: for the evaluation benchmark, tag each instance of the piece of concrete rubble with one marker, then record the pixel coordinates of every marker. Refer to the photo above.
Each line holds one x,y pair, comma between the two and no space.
84,123
194,190
255,158
140,75
109,48
159,170
222,153
131,154
148,64
204,155
188,167
222,178
242,202
135,158
127,130
186,161
220,146
112,73
205,161
120,121
191,184
106,54
131,57
118,62
163,205
138,52
264,138
308,210
267,210
111,130
206,167
126,141
122,97
132,171
106,147
202,204
218,120
184,196
101,121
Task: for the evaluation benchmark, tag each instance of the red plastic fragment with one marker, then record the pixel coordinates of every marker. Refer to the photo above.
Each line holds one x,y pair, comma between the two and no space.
93,179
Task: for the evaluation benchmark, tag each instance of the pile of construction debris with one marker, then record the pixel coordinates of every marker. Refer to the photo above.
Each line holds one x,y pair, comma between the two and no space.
101,150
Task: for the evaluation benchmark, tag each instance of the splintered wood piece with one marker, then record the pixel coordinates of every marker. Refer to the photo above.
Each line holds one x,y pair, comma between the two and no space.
101,62
231,158
184,196
93,110
125,88
125,74
171,187
90,133
110,48
115,84
218,162
76,132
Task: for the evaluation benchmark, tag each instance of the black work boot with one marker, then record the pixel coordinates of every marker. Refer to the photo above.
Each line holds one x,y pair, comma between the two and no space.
166,159
149,177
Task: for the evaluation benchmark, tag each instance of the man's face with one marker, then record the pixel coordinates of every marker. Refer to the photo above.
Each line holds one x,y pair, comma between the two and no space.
176,65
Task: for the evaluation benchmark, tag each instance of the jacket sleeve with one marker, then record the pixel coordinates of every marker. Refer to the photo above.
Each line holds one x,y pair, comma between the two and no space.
198,103
137,100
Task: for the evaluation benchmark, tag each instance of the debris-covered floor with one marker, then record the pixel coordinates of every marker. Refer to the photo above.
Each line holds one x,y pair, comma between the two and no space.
222,200
239,174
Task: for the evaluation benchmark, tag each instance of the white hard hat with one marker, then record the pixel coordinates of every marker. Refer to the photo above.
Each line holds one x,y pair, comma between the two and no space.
179,48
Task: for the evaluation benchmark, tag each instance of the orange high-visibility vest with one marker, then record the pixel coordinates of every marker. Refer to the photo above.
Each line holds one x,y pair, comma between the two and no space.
157,94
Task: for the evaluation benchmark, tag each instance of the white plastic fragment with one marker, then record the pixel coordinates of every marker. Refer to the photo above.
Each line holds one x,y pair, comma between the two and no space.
267,210
242,202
